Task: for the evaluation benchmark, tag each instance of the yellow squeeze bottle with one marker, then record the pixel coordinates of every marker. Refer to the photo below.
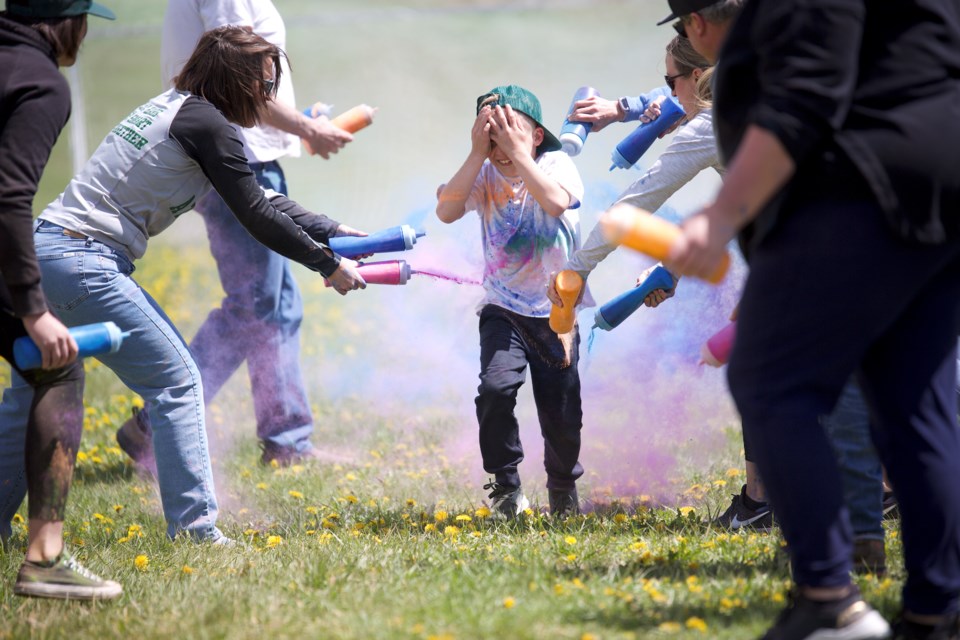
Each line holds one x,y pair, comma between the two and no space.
568,286
641,231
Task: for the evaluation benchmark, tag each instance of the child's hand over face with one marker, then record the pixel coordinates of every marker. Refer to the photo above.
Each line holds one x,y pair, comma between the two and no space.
510,133
480,135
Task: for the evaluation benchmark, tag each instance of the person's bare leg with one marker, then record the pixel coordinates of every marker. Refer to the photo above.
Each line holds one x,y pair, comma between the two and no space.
44,540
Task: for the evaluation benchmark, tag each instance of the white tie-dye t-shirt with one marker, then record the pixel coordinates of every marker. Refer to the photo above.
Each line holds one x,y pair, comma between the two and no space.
522,243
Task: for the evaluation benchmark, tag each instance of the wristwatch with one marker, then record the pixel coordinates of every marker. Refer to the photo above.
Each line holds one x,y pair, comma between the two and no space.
623,106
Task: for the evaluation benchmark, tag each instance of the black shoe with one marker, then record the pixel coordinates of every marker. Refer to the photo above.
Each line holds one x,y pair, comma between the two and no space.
273,455
739,516
890,509
849,618
869,556
949,629
508,502
135,437
564,503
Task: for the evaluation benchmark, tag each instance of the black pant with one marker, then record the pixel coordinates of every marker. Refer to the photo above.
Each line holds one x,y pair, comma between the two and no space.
833,292
508,344
54,426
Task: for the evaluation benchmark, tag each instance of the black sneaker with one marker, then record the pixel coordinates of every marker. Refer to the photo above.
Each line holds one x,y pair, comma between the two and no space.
564,503
890,510
135,437
508,502
869,556
949,629
739,516
849,618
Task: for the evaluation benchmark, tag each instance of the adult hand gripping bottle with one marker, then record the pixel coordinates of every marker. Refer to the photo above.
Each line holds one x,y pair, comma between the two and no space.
350,121
568,286
573,135
611,314
631,148
92,340
641,231
716,350
387,272
399,238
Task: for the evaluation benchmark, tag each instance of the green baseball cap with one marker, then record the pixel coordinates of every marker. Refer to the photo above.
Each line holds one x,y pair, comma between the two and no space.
57,8
526,103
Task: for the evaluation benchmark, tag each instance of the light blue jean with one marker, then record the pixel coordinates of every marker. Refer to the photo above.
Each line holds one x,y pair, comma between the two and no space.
86,281
848,428
258,322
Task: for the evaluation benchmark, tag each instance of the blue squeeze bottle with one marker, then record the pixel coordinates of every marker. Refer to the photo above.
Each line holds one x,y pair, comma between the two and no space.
574,134
92,339
636,144
399,238
619,309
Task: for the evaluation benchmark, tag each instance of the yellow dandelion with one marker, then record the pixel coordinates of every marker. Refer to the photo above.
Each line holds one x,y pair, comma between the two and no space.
429,528
696,624
571,540
482,512
17,518
141,562
620,518
118,508
352,499
296,495
186,570
463,518
274,464
570,557
312,510
123,539
262,485
719,484
588,636
274,541
440,515
508,603
451,531
685,511
733,472
411,502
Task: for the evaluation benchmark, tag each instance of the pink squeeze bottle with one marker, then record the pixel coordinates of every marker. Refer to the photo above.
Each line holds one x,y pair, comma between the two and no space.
716,350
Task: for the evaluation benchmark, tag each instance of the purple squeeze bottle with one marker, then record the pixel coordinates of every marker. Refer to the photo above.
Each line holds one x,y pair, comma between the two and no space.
573,134
636,144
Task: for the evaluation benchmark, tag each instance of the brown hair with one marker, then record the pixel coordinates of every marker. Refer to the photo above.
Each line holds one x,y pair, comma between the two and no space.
226,69
65,35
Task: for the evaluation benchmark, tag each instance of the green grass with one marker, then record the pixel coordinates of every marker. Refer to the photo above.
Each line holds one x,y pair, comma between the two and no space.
391,543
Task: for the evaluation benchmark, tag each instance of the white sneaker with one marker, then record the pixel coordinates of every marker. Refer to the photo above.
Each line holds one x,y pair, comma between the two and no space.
508,502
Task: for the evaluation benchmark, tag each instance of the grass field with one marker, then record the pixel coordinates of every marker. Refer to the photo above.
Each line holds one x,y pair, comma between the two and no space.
393,539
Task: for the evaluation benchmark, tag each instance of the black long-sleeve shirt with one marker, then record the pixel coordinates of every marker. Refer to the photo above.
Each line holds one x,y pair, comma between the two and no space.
875,83
155,165
34,107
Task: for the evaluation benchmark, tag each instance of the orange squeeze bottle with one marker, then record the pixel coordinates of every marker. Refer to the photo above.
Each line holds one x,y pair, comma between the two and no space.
641,231
563,318
355,119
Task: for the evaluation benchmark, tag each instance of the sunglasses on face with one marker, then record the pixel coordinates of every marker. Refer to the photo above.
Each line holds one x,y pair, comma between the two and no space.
672,80
269,87
680,28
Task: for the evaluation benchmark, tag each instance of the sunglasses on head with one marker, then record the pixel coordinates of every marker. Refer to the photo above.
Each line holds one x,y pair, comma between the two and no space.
680,28
672,80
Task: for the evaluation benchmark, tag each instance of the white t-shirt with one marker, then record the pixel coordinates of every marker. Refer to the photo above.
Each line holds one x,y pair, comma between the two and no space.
183,24
522,243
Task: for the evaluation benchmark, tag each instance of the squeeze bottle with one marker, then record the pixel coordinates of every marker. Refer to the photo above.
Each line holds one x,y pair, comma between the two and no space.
611,314
573,135
626,154
399,238
563,318
92,339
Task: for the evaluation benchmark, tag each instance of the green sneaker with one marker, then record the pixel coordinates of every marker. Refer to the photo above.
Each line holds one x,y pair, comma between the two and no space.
63,578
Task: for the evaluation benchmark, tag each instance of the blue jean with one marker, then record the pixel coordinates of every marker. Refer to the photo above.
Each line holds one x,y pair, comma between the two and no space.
86,281
799,341
258,322
848,428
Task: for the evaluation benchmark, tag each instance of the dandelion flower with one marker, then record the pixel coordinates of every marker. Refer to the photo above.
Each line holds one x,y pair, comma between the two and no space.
570,540
685,511
451,531
697,624
482,512
463,518
262,485
440,515
186,570
296,495
274,541
508,603
141,562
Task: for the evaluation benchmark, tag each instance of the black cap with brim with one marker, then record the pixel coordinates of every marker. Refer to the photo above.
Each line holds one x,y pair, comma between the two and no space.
57,8
679,8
